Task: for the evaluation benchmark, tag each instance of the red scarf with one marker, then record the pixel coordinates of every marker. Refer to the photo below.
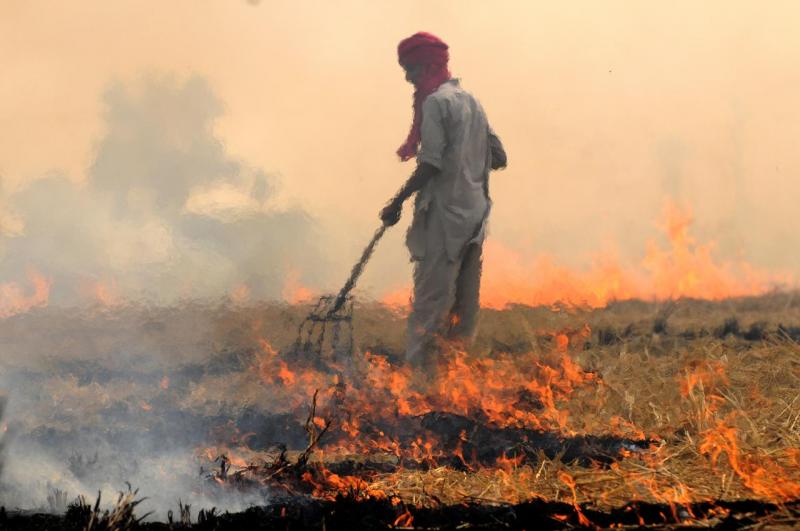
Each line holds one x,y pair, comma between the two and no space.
431,52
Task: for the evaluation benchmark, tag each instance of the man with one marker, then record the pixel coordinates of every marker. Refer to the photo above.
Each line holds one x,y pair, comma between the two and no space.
455,148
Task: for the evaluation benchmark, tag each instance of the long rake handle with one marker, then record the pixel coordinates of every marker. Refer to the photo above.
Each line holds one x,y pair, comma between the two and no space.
357,269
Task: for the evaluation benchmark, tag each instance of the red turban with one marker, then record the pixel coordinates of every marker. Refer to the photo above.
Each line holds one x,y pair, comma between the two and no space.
422,48
431,53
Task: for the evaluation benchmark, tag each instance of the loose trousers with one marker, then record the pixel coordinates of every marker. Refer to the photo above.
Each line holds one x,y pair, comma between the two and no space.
445,303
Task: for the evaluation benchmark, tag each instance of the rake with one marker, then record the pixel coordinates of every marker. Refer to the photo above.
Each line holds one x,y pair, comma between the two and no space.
334,312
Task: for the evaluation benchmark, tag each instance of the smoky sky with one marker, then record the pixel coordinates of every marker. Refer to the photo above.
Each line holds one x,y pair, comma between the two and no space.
166,212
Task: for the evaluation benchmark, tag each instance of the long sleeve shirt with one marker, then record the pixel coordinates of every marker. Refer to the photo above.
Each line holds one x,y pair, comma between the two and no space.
455,138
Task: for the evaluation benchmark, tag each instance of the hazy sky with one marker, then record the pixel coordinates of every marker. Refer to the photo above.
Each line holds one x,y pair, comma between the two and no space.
607,109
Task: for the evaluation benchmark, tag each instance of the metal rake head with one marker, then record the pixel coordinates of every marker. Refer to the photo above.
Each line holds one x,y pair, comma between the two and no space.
322,329
334,312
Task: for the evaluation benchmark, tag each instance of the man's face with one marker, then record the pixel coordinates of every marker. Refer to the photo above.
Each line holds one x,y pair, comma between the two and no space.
413,73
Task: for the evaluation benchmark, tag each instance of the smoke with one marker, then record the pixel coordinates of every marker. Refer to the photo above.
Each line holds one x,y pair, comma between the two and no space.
165,216
166,213
125,395
33,475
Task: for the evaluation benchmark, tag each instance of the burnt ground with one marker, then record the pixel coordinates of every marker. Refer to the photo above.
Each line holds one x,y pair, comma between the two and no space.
98,392
348,514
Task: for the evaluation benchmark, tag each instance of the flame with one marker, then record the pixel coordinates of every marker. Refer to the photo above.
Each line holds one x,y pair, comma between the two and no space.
240,294
760,473
703,384
509,464
327,485
682,268
398,299
104,292
569,481
404,520
296,387
708,376
509,279
532,391
14,300
293,291
688,269
466,384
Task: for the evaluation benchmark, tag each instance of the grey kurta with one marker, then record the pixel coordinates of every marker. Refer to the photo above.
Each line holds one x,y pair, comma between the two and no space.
455,139
450,213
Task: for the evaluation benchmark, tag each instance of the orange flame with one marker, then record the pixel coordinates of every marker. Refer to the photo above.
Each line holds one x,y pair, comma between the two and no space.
398,299
14,300
327,485
104,292
293,291
465,385
761,474
683,268
569,481
404,520
709,376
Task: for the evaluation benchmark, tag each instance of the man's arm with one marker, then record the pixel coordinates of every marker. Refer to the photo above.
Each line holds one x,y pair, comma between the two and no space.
424,173
499,159
429,159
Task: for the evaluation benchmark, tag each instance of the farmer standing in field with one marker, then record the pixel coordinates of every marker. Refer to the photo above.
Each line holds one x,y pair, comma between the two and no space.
455,149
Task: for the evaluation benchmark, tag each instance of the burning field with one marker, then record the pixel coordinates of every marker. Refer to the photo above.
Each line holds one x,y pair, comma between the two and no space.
177,190
654,414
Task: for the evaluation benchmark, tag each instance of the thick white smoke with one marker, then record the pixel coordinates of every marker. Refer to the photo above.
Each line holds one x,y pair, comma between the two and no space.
166,212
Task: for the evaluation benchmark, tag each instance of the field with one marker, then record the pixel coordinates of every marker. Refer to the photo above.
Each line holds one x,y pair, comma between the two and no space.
673,413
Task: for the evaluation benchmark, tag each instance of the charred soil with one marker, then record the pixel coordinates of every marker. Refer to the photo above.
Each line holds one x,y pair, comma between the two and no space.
655,414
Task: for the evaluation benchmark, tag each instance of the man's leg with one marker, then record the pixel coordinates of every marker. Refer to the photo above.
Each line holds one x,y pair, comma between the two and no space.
464,322
434,295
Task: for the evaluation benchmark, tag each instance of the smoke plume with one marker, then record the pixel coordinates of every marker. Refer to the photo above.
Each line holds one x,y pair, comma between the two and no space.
165,214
